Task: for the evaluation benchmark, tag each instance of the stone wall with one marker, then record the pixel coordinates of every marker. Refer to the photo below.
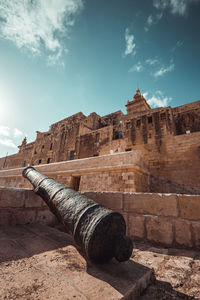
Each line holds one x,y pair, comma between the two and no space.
118,172
178,162
168,219
23,206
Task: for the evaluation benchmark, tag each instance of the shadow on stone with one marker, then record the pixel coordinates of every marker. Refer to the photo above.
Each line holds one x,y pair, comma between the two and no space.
53,258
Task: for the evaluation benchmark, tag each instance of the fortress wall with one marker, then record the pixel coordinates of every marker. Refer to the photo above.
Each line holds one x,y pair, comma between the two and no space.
23,206
169,219
179,162
118,172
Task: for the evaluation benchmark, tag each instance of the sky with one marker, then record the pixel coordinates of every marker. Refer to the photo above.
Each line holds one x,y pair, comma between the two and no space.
59,57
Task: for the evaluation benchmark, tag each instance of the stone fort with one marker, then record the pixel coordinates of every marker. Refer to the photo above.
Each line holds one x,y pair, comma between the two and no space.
144,150
144,164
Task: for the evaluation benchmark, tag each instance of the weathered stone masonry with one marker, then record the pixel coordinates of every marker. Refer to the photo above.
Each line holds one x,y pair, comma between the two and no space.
168,139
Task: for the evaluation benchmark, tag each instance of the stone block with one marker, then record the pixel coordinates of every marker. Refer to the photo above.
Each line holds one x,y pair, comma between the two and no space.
136,226
189,207
22,216
4,217
112,200
33,200
196,234
44,216
10,197
159,230
183,234
153,204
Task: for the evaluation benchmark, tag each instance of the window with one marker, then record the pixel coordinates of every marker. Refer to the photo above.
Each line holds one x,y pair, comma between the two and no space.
48,160
24,165
35,152
97,137
120,134
71,155
138,123
42,146
128,149
117,134
163,116
40,161
96,154
51,146
150,120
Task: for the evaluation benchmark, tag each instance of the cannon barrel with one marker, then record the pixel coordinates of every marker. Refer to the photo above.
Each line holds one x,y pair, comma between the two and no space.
98,230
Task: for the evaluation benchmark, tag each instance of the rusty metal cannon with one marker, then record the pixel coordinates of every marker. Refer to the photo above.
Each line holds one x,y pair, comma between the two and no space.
98,230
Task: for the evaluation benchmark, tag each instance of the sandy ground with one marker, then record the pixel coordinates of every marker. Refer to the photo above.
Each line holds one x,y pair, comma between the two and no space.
40,262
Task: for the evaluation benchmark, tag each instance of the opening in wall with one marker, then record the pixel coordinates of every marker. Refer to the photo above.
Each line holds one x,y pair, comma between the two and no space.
48,160
138,123
40,161
75,182
71,155
97,137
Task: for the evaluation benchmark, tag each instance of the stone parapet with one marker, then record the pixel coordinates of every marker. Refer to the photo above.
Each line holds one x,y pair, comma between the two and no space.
117,172
23,206
167,219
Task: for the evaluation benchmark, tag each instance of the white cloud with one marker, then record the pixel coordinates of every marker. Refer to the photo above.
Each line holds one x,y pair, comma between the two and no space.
38,25
163,70
152,20
130,45
136,68
151,61
8,143
17,133
4,130
158,99
179,7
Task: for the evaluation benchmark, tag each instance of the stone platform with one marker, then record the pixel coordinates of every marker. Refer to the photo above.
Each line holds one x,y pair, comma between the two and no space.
40,262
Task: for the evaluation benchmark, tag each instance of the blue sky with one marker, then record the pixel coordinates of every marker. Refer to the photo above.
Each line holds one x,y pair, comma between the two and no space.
59,57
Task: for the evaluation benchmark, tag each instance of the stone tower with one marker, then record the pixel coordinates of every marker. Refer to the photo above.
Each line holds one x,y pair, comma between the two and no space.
138,104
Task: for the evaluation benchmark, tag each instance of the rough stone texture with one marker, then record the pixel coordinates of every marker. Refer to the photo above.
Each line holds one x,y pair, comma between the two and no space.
176,270
196,232
39,262
189,207
118,172
152,204
159,230
136,226
23,206
110,200
183,233
12,197
168,139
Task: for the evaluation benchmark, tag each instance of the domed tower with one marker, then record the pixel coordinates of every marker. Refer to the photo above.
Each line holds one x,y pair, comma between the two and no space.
138,104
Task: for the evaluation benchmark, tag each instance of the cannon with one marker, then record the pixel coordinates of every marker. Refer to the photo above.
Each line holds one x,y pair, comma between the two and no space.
99,231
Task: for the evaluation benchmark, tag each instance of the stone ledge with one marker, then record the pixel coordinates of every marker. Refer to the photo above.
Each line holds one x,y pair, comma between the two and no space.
153,204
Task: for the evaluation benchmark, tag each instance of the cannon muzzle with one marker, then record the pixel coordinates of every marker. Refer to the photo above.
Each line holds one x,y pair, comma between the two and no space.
98,230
